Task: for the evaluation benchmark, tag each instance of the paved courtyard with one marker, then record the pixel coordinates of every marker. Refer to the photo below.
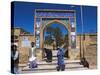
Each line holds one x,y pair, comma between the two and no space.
43,66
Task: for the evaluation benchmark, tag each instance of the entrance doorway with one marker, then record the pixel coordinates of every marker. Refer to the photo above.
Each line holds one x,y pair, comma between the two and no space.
56,35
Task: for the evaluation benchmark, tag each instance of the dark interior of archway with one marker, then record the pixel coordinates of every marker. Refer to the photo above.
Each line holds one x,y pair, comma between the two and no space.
56,35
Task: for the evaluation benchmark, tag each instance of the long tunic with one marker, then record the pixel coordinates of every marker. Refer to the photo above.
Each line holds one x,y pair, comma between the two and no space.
32,54
14,61
60,56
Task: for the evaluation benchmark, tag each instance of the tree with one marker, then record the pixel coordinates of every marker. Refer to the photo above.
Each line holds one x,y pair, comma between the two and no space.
49,31
48,40
55,33
58,36
66,40
48,37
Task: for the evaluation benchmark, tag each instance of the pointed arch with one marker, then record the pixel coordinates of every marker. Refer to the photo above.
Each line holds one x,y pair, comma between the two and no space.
57,21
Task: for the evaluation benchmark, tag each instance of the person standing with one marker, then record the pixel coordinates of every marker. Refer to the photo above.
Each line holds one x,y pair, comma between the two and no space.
14,59
48,54
60,59
32,56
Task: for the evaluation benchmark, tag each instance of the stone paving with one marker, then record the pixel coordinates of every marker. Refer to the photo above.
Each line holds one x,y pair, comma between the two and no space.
43,66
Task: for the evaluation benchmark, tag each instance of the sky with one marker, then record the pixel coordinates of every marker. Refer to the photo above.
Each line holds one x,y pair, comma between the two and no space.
23,15
57,25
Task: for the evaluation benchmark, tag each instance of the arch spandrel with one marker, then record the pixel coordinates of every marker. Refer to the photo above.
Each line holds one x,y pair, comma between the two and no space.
65,23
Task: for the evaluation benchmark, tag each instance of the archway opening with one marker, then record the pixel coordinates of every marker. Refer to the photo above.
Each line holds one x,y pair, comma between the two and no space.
55,35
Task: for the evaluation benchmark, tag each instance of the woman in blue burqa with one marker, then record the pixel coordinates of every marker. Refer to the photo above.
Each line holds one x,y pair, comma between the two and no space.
60,59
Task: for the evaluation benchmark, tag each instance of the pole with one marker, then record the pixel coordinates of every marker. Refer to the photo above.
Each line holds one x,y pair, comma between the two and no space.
80,48
83,46
82,32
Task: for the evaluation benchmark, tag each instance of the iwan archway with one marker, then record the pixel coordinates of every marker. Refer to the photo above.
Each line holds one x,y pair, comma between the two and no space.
67,18
57,22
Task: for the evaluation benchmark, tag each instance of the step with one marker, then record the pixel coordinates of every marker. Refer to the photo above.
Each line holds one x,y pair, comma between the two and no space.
54,52
55,62
52,67
42,71
54,58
